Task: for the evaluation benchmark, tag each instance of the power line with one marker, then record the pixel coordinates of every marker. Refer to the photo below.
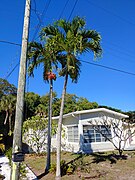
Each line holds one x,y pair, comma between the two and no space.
107,67
12,43
12,71
72,10
109,12
94,64
63,9
39,24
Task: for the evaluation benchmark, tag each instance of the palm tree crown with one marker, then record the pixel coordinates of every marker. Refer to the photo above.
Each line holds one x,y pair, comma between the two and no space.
72,40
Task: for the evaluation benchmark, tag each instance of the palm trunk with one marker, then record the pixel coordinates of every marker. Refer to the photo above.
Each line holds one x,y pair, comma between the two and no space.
49,129
5,121
58,171
10,124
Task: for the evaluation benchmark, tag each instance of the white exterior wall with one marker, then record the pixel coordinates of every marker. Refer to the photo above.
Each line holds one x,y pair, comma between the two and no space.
132,140
94,146
89,118
67,146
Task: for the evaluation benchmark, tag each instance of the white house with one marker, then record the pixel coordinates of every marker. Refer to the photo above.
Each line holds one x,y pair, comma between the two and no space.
90,130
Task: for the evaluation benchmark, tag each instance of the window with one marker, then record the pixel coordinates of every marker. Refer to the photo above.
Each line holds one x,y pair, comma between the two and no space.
96,133
73,134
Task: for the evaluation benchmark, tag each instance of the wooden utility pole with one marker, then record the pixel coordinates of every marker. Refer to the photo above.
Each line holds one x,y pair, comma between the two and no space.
17,138
48,162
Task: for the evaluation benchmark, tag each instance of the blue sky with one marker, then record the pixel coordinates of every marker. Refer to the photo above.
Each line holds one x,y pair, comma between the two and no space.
113,19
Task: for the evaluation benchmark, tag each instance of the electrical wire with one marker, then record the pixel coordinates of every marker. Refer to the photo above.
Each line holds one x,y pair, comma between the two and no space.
39,24
107,67
12,71
110,12
63,9
8,42
72,10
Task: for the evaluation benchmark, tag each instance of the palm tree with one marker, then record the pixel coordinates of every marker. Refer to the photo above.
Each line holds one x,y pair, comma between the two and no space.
72,40
7,104
39,54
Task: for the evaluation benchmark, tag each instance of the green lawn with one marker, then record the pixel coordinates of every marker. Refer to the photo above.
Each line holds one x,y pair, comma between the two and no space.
103,166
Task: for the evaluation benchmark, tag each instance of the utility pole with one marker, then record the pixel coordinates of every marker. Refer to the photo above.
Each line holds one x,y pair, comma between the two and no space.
17,138
48,162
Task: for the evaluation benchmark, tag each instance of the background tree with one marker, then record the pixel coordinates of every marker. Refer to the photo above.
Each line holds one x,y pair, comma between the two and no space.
70,104
35,132
72,40
7,107
32,100
6,88
7,111
7,104
84,104
131,115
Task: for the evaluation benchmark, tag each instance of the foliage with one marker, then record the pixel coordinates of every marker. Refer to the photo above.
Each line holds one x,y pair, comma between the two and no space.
32,100
6,88
131,115
7,106
2,148
9,154
111,108
65,168
75,103
84,104
23,171
35,132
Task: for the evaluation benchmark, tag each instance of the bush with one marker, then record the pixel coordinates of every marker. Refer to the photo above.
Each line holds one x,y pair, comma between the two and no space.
2,148
9,154
23,170
65,168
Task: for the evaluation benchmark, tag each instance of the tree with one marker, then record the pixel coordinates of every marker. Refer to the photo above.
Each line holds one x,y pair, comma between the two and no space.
32,100
39,54
7,105
72,40
84,104
35,132
70,104
121,131
7,88
131,115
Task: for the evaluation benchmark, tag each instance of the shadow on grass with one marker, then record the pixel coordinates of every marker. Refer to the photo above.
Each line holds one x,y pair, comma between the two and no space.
41,175
63,172
79,163
100,157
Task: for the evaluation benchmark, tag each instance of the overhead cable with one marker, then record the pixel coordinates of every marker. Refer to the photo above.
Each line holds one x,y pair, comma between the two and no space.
72,10
12,43
107,67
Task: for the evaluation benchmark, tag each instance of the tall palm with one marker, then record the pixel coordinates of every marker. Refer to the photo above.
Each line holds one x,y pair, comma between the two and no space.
39,54
7,104
72,40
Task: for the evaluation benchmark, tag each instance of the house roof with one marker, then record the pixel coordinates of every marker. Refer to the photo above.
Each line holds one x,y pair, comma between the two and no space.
121,115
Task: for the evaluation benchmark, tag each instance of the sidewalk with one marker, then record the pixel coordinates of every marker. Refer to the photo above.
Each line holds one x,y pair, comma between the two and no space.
5,170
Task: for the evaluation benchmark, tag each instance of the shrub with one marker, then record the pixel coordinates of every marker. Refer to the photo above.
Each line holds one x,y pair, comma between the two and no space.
9,154
2,148
65,168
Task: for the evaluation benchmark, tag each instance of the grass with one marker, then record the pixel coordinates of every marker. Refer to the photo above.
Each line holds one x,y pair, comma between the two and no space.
97,166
